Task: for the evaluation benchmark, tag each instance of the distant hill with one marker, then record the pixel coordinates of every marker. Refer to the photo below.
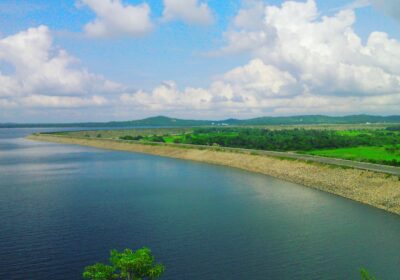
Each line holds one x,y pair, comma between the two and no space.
153,121
162,121
318,119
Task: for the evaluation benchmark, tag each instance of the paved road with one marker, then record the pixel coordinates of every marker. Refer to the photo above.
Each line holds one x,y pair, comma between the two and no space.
340,162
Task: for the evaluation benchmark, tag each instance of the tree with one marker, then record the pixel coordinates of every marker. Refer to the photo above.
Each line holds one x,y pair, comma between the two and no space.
100,271
128,265
136,265
365,275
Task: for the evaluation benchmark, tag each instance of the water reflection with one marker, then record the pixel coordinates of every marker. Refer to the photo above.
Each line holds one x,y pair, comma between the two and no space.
63,207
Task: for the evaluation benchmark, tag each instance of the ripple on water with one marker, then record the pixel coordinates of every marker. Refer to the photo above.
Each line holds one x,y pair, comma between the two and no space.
63,207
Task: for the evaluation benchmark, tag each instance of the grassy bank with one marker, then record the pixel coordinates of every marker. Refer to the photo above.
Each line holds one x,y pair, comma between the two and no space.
375,189
379,145
369,154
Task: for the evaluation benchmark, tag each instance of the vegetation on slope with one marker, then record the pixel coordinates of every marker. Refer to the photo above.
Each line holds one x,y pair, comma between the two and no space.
378,146
370,143
162,121
388,155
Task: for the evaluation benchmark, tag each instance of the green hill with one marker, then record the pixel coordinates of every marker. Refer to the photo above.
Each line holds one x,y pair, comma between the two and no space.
319,119
162,121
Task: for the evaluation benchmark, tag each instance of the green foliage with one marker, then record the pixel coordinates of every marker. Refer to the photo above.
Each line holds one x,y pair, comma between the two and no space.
157,138
365,275
177,140
280,140
379,145
128,265
372,145
136,265
393,149
100,271
379,155
131,138
393,128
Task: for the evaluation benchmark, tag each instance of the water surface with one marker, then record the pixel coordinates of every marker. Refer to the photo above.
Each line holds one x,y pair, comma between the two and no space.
63,207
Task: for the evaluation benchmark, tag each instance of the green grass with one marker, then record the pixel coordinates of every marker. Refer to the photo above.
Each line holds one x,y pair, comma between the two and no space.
354,133
359,154
172,138
369,132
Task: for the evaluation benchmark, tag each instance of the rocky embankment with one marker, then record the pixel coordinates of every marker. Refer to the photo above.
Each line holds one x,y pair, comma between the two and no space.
372,188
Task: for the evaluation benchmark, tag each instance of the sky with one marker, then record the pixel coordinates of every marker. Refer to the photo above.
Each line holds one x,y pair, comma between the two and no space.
103,60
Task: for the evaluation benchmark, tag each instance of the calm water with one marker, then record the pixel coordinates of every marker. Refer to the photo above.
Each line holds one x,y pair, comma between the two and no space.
63,207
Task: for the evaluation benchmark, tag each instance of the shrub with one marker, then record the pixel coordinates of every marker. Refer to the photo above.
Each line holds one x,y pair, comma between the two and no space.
127,265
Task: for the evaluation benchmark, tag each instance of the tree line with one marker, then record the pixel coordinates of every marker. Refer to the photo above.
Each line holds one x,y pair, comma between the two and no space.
285,140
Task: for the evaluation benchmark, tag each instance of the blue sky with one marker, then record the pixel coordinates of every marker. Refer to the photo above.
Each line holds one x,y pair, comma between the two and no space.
177,55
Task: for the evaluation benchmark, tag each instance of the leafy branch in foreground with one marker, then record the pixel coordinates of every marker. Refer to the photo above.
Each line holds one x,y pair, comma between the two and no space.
128,265
100,271
365,275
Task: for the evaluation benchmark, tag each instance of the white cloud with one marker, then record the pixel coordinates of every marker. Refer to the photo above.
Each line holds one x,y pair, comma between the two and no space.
303,63
357,4
261,80
62,101
251,16
190,11
168,97
114,19
324,53
44,75
248,88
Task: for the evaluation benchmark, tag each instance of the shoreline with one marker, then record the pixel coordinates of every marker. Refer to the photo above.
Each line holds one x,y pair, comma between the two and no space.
372,188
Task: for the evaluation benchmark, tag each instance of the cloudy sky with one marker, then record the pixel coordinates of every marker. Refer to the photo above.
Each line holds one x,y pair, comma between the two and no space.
100,60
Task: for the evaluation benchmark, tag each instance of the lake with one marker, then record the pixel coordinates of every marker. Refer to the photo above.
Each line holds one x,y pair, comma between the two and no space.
63,207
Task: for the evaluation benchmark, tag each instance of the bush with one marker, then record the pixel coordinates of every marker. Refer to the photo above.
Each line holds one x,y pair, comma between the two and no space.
365,275
158,139
127,265
131,138
393,128
177,141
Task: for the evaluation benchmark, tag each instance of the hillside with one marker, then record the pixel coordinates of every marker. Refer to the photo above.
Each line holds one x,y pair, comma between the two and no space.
162,121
